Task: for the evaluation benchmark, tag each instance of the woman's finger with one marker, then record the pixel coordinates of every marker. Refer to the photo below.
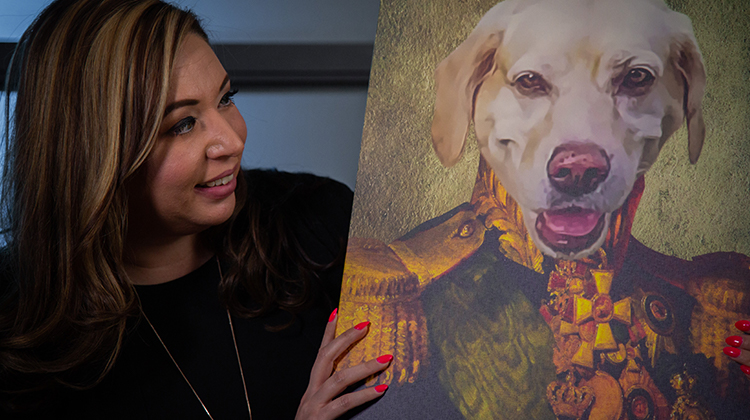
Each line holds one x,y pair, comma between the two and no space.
331,351
739,356
342,379
739,349
330,328
740,341
318,401
346,402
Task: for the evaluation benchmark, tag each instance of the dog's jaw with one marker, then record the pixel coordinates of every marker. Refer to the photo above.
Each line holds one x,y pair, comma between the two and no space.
563,225
569,247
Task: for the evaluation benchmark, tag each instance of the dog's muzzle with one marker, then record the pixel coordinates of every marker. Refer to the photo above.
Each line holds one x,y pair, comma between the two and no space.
574,169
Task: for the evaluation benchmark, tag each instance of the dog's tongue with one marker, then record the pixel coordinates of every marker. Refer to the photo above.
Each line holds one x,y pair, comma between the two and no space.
572,221
570,230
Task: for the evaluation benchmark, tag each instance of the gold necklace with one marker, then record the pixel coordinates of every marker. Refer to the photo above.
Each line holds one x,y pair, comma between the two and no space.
236,351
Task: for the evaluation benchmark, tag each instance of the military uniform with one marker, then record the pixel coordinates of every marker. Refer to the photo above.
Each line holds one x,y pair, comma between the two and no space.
483,326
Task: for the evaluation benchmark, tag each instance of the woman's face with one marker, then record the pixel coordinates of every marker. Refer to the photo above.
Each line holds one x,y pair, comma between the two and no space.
187,183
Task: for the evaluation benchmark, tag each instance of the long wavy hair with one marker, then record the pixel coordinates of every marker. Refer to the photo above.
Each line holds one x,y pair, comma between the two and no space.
91,78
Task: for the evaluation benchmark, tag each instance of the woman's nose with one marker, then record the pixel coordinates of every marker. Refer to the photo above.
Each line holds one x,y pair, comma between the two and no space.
227,137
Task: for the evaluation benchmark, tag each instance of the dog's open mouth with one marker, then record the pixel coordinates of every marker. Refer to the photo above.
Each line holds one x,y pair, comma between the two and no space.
570,230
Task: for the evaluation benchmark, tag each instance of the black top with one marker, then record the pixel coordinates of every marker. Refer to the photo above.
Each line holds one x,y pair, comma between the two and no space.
145,384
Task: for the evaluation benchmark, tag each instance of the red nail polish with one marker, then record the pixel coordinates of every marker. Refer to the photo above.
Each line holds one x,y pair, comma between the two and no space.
381,388
745,369
734,341
732,352
333,315
384,358
362,325
743,325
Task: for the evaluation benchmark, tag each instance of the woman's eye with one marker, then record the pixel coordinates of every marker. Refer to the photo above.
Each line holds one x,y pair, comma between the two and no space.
226,100
184,126
531,84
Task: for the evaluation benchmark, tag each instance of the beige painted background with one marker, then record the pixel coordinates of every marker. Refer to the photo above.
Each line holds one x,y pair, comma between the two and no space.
686,210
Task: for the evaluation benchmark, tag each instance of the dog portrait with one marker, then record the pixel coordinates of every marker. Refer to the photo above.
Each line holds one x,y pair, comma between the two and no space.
569,122
550,214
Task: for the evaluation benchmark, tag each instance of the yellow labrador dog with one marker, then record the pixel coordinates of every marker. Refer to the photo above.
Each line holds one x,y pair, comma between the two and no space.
572,101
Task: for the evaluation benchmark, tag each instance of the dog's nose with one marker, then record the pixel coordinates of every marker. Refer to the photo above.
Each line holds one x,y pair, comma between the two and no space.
577,168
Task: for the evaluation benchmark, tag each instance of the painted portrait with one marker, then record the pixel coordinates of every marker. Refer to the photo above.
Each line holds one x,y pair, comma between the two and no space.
551,209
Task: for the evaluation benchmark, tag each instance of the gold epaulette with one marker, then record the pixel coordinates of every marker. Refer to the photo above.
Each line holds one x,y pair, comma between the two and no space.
721,301
382,284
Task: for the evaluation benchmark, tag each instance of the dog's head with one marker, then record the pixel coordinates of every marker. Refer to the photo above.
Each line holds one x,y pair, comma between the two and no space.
572,101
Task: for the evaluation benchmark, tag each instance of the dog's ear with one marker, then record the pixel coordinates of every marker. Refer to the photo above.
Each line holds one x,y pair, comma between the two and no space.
457,78
689,62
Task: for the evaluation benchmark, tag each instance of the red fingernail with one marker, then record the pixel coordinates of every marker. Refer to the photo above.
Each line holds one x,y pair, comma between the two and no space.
384,358
743,325
734,341
745,369
362,325
732,352
381,388
333,315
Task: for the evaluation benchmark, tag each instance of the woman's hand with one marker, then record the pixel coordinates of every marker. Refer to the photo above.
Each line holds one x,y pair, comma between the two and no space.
740,346
318,401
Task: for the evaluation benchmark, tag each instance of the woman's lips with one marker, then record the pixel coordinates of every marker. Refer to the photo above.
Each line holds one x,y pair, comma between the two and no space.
570,230
218,189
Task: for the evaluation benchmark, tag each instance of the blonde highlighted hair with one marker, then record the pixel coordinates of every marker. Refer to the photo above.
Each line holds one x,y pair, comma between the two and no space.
91,79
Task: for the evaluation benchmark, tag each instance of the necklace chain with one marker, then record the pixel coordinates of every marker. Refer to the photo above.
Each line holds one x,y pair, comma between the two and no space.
236,351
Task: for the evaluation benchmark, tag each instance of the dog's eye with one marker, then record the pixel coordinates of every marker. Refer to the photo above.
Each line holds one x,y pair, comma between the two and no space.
636,81
531,84
637,77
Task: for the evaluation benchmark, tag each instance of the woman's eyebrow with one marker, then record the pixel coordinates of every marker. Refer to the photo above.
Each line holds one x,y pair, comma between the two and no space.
224,83
188,102
179,104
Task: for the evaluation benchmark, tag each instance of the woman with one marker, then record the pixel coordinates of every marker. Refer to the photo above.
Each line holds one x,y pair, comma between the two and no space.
145,274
